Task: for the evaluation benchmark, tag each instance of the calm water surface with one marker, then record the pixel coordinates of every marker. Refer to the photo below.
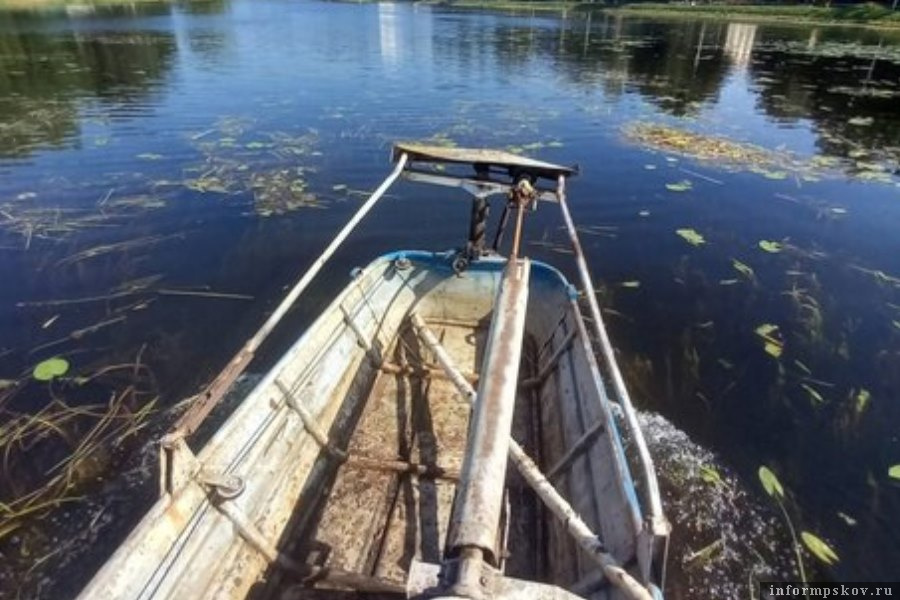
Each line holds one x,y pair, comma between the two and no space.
217,147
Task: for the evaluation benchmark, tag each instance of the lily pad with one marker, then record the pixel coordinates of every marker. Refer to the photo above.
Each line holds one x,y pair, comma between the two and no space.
770,246
818,548
776,175
773,345
770,482
862,400
50,368
691,236
894,472
742,268
680,186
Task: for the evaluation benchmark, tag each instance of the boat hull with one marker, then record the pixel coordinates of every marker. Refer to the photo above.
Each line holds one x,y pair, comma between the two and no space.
339,470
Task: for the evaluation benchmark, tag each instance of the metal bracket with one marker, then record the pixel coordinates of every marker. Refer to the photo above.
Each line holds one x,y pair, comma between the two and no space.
226,486
469,576
177,464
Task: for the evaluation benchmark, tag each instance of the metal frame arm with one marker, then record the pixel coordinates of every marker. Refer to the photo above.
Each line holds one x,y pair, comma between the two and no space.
203,404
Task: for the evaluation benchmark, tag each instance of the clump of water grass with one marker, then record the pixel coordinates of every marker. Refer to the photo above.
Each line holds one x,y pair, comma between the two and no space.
263,165
51,456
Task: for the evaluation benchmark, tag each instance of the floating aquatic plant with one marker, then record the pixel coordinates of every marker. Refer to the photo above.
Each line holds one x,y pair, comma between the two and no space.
742,268
775,490
770,246
818,548
680,186
771,335
50,369
691,236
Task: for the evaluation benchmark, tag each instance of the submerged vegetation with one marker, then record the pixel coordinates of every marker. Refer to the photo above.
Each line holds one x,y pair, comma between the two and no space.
59,454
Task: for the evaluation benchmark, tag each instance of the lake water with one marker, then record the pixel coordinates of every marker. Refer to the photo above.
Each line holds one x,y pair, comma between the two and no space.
154,150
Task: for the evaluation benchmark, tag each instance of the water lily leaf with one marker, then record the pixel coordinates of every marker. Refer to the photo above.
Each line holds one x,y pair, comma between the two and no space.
149,156
776,175
773,345
773,349
894,472
630,284
770,246
862,400
710,475
50,368
742,268
681,186
814,395
818,548
691,236
770,482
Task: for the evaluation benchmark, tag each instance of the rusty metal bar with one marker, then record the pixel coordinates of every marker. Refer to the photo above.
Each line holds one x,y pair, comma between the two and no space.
399,466
423,371
212,395
649,474
479,499
580,445
552,499
355,460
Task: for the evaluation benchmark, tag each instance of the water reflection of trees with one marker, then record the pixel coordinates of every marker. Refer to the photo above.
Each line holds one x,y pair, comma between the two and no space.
678,67
851,98
44,77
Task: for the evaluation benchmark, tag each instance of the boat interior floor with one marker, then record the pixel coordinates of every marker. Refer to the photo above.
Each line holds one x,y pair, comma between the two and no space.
387,499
